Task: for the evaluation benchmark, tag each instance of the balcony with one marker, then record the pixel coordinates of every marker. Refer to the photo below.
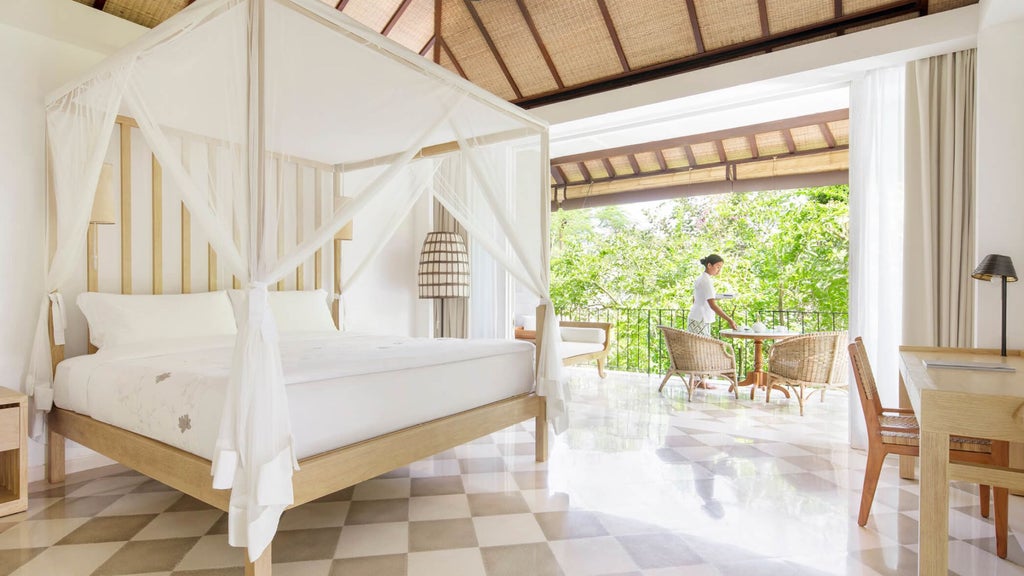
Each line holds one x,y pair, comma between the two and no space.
637,346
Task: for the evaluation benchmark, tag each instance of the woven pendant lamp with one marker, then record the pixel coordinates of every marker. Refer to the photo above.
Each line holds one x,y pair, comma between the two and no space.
444,267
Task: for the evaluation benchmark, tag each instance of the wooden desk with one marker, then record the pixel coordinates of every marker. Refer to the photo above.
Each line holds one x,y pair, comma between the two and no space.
981,404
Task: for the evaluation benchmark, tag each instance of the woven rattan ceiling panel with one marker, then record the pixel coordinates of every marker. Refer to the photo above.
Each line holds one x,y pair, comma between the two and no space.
621,165
596,169
854,6
510,32
409,30
727,22
467,45
534,52
675,157
652,32
148,14
705,153
374,14
840,131
575,36
737,148
786,15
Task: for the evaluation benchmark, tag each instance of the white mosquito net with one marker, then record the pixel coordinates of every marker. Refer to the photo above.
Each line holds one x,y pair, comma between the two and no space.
227,93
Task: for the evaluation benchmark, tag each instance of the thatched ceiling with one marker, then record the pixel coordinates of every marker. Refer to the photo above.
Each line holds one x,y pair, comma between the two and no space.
533,52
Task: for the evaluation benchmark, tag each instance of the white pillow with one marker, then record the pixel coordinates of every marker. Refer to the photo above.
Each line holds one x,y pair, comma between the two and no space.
116,319
294,311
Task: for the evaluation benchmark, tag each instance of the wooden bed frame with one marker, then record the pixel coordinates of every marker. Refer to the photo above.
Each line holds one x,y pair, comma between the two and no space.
318,475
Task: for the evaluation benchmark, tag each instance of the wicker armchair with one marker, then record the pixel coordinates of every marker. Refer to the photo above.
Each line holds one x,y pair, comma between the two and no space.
697,356
808,364
896,431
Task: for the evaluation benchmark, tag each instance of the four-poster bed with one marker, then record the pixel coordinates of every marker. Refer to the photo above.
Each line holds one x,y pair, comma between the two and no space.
235,98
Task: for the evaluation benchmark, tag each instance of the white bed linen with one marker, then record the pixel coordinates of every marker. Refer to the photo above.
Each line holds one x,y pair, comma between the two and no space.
342,387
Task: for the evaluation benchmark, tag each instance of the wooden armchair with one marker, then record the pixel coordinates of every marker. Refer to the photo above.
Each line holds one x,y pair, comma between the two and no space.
808,364
896,431
701,356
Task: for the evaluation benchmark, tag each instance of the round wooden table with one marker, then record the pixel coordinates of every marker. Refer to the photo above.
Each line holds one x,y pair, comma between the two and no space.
757,378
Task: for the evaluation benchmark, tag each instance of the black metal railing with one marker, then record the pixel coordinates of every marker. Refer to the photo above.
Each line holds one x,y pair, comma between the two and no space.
637,344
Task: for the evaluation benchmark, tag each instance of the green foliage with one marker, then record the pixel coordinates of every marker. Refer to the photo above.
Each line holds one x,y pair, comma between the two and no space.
784,250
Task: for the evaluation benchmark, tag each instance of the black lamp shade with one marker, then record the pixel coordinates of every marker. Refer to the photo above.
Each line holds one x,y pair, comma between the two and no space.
995,265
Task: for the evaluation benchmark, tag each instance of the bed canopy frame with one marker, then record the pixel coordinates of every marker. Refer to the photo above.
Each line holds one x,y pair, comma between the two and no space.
222,93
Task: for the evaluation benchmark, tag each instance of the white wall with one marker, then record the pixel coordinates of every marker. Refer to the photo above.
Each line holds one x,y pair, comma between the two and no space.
1000,170
36,56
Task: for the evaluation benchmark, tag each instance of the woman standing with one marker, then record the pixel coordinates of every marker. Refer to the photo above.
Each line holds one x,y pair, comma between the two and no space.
704,309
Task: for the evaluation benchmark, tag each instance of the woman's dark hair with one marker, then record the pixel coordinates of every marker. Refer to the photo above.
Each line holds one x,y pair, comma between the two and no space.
710,259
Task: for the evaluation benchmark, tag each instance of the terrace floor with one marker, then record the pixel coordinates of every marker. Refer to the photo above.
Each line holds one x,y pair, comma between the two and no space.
641,484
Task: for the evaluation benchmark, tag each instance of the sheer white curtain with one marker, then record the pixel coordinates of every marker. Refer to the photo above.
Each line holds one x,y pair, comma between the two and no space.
876,230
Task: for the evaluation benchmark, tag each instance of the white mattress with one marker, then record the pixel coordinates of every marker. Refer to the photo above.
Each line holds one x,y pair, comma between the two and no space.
342,387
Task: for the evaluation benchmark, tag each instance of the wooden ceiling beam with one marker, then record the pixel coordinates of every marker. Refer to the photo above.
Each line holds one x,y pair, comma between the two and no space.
787,134
922,7
437,32
455,61
661,159
729,164
698,38
762,9
340,6
634,165
614,34
837,9
691,160
609,168
686,141
752,142
587,176
702,189
559,175
428,46
540,43
722,157
99,4
827,133
395,17
708,58
494,49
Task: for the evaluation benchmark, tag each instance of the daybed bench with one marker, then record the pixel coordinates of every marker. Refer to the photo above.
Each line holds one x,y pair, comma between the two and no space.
581,342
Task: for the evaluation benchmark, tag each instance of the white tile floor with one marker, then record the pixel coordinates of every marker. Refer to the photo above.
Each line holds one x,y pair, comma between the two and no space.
641,483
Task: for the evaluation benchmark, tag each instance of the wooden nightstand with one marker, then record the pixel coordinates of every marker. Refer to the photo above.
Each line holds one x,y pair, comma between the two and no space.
13,452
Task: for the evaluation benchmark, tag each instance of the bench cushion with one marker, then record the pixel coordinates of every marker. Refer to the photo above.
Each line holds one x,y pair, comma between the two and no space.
570,349
587,335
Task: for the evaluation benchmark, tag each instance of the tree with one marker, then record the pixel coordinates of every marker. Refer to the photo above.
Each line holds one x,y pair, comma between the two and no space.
784,250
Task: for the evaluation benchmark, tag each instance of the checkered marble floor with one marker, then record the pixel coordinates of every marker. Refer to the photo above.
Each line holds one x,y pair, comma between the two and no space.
641,484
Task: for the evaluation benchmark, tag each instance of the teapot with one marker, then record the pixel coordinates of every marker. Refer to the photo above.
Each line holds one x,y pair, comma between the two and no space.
759,327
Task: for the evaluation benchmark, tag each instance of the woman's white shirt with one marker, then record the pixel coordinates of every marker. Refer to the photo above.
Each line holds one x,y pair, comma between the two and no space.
703,290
